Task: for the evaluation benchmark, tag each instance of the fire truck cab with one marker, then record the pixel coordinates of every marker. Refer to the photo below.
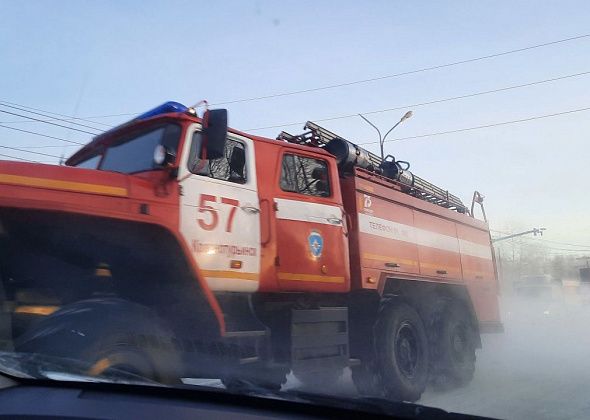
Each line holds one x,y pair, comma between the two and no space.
208,251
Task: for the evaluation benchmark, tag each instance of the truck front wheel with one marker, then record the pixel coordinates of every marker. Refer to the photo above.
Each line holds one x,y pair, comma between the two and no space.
401,348
107,334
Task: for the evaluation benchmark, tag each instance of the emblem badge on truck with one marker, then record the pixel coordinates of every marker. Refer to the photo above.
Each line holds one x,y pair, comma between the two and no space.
316,243
367,203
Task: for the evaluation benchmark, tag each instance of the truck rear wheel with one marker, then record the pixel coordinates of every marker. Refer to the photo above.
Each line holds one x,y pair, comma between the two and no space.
402,358
453,349
366,380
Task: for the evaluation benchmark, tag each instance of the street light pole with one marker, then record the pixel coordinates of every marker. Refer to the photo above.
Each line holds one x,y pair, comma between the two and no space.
535,231
382,138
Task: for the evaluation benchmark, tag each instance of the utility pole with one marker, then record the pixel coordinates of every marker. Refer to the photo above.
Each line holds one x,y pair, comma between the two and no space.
382,138
534,231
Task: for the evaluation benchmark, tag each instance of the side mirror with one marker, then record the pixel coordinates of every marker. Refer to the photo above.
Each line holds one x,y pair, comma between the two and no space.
163,156
214,133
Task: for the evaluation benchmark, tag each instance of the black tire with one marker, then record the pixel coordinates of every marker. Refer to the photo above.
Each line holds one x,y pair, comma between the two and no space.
402,358
452,348
107,334
366,380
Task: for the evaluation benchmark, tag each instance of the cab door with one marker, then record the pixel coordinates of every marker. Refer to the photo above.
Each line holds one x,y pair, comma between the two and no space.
310,225
220,214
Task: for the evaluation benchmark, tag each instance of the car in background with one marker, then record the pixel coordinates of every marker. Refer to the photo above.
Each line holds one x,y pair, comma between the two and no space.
536,286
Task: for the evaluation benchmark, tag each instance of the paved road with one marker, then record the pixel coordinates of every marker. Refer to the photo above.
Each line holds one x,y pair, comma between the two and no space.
539,368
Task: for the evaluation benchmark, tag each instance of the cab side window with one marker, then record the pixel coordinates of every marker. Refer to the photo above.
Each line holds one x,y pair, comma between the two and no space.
231,167
304,175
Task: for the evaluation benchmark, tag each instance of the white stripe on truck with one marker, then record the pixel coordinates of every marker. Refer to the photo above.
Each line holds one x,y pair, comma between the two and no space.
406,233
304,211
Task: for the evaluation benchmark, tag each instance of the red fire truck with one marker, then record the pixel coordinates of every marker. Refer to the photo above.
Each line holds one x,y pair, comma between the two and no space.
172,247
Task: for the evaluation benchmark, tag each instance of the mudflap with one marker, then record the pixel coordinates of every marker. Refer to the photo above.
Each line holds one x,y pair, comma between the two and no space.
244,351
319,339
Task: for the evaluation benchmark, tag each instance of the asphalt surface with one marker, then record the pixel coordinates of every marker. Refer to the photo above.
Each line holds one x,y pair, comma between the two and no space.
539,368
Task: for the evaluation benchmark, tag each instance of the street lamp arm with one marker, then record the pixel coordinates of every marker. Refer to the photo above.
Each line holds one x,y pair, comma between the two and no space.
382,138
535,231
371,124
391,129
378,132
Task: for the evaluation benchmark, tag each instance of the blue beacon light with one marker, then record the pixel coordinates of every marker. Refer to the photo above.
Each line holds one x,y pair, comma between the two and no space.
165,108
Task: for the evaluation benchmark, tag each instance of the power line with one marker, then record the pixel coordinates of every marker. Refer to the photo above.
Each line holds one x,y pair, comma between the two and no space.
565,243
29,151
479,127
540,244
124,114
397,108
46,119
566,249
18,158
373,79
48,122
41,135
55,113
421,70
70,120
50,146
431,102
541,239
538,117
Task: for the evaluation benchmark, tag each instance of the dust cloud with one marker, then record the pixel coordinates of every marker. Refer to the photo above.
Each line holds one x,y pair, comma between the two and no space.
539,367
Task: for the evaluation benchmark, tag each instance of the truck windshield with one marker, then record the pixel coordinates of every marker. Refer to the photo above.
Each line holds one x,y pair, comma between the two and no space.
135,154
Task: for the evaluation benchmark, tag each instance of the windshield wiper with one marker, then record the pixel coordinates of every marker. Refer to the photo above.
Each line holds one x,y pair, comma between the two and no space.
40,366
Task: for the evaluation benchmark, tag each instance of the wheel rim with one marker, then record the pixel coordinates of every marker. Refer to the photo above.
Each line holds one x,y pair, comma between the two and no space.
406,349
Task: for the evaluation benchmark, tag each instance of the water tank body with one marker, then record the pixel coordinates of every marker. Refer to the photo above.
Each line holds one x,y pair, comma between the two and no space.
393,170
349,155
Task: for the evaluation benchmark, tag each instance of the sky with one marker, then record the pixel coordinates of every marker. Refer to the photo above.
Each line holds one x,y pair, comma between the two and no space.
89,59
